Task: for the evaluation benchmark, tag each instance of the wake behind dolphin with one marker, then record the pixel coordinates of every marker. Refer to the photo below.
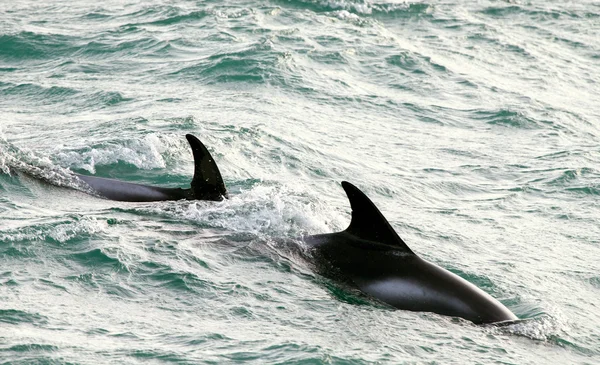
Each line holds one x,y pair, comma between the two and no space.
371,256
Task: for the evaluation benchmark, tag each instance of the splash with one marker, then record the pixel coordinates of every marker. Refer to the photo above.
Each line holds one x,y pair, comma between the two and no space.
14,159
263,210
150,152
61,232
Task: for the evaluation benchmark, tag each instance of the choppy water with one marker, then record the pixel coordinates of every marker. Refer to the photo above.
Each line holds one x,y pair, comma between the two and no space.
474,126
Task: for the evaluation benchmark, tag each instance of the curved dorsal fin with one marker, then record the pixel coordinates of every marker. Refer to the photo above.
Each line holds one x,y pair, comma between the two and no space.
367,221
207,183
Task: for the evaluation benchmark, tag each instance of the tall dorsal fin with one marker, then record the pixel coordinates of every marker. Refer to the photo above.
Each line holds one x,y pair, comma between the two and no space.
367,221
207,183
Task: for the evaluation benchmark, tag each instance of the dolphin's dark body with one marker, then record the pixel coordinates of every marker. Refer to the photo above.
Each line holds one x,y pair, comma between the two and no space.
371,256
130,192
207,183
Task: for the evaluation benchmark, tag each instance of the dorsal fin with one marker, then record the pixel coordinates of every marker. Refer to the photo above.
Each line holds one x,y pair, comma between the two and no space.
207,183
367,221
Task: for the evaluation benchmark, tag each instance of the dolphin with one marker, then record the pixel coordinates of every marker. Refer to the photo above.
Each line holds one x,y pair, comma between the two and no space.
370,256
207,183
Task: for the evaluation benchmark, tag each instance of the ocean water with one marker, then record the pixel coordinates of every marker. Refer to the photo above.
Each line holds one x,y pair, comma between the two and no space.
473,125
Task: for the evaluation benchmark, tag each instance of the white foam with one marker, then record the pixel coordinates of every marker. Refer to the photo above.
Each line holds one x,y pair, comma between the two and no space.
150,152
346,15
62,232
87,225
364,8
542,328
263,210
40,167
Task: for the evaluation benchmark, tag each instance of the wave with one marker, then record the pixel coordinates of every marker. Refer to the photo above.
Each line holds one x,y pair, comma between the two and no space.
73,100
26,46
506,117
262,209
117,156
257,63
539,13
14,316
57,232
43,94
17,160
365,7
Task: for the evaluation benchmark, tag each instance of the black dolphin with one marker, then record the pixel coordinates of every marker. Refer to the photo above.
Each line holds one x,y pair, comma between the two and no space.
207,183
371,256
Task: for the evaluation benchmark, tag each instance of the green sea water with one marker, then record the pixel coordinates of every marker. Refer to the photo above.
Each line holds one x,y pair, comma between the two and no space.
473,125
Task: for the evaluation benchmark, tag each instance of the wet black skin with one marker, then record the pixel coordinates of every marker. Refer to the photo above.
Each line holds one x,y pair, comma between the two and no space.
372,257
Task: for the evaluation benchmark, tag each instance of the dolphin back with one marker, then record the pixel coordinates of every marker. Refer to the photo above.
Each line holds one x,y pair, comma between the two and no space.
371,256
207,183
